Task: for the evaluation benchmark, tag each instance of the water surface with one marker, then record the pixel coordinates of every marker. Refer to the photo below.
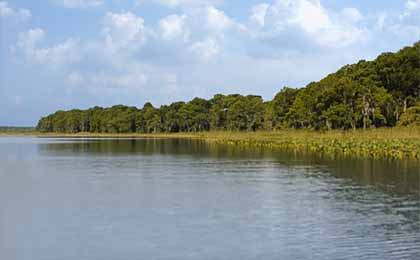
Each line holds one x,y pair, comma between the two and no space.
177,199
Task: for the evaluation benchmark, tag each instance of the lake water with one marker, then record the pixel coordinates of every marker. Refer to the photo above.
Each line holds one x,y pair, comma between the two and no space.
90,199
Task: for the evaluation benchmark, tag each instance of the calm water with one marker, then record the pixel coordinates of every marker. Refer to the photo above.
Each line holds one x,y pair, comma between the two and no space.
79,199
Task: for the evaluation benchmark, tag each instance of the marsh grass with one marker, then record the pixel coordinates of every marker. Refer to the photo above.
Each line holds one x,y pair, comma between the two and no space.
384,143
395,143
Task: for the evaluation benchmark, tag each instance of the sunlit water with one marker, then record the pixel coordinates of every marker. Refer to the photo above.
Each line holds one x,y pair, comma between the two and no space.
75,199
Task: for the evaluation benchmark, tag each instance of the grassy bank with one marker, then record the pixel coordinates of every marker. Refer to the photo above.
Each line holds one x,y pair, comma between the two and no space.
16,130
378,144
395,143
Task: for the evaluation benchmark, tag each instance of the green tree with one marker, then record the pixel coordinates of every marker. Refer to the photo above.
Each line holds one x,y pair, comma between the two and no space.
282,103
247,113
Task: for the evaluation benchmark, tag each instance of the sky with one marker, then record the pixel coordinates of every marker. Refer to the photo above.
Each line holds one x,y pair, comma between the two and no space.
65,54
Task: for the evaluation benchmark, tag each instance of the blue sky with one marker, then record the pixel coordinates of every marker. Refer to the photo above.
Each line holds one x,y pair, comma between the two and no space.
63,54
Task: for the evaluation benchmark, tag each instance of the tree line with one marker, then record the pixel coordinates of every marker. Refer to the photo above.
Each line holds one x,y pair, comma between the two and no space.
384,92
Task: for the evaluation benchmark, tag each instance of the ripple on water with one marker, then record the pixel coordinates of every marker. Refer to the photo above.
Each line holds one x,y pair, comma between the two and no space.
160,199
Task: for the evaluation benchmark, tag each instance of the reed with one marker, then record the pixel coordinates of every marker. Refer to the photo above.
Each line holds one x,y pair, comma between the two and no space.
384,143
395,143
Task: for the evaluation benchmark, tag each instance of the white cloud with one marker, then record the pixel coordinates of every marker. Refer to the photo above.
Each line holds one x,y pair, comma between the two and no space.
314,22
258,13
217,20
111,81
307,14
380,21
405,31
80,3
352,15
6,11
182,3
60,54
124,31
206,49
412,10
412,5
30,38
174,26
200,49
201,32
127,80
399,27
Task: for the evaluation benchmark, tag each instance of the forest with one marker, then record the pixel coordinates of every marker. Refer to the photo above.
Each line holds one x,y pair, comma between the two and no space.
384,92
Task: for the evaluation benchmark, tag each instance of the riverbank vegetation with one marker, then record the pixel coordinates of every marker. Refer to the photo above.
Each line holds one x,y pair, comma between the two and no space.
368,109
383,143
370,94
16,130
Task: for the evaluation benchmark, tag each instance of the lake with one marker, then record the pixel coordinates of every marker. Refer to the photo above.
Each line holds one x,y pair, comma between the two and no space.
127,199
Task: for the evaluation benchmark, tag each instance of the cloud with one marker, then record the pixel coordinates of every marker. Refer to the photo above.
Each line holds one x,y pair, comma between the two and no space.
174,26
198,47
398,27
126,80
182,3
412,11
258,13
201,32
54,56
311,20
217,20
206,50
412,5
30,38
105,82
352,15
6,11
211,31
80,3
124,31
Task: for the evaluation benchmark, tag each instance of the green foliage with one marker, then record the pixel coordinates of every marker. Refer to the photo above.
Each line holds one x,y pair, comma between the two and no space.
369,94
16,130
411,117
281,105
247,113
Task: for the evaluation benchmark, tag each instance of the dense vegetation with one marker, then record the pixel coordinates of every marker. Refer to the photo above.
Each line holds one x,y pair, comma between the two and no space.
370,94
384,143
16,129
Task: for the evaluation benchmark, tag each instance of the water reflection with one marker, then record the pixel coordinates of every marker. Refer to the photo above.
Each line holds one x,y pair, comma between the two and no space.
389,176
184,199
362,182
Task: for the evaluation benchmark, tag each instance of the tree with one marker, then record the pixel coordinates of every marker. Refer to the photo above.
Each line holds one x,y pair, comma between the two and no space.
411,117
220,106
367,94
247,113
282,103
151,119
195,115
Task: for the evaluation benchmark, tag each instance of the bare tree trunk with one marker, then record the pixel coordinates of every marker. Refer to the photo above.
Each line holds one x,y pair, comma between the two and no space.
373,116
364,122
353,119
328,124
365,112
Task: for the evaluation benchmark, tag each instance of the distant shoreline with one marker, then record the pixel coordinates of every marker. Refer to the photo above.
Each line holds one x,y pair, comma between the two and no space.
99,135
391,143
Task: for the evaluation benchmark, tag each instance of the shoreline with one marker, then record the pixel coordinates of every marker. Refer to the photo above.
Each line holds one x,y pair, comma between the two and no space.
392,143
